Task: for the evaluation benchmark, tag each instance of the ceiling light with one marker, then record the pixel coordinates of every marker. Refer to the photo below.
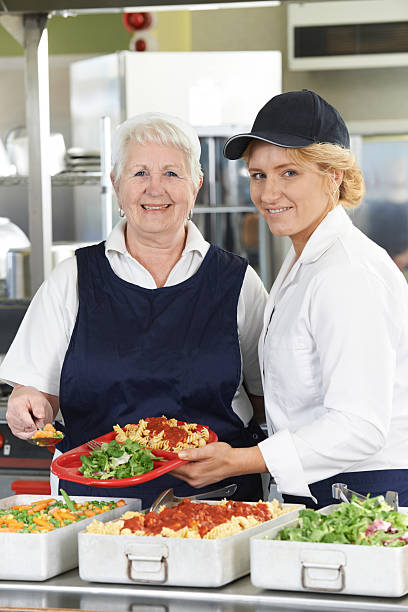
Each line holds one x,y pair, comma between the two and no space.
209,6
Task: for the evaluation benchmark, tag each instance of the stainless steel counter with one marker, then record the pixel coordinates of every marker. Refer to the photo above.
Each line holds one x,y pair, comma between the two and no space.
68,591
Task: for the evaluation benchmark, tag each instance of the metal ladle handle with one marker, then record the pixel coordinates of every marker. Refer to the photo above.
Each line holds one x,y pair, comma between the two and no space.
227,491
341,491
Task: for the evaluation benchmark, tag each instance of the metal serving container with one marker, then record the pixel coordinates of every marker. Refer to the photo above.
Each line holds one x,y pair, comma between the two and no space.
169,561
334,568
39,556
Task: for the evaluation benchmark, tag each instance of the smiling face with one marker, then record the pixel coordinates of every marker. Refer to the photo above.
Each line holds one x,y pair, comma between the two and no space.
155,191
292,199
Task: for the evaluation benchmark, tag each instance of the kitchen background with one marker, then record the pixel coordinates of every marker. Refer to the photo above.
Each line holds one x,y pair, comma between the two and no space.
373,100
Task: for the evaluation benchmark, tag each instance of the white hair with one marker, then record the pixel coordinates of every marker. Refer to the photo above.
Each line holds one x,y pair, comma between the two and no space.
157,128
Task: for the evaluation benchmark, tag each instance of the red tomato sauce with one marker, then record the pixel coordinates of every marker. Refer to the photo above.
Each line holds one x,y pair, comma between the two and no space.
173,435
134,524
203,517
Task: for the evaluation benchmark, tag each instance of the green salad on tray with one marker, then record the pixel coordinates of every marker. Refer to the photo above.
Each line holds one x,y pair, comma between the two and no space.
369,523
114,460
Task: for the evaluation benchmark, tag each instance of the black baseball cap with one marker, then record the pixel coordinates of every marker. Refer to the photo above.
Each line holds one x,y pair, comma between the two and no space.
293,119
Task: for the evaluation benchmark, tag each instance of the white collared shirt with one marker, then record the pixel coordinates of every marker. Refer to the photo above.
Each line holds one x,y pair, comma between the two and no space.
37,353
334,358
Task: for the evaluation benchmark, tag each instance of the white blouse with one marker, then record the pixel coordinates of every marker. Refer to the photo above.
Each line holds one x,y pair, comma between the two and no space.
334,360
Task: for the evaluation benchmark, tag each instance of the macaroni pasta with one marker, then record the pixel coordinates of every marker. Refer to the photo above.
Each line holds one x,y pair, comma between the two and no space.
193,520
165,434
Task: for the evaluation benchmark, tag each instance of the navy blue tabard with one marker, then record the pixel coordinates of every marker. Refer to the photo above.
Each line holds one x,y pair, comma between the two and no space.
172,351
371,482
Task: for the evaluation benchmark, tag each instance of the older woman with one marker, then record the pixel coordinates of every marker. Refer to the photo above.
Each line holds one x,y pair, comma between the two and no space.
153,321
334,347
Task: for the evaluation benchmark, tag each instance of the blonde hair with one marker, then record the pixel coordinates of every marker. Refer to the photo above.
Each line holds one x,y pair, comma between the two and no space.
328,157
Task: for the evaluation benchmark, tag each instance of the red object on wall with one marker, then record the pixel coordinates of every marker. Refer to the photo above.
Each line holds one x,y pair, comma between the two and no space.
143,41
31,487
1,440
137,21
140,45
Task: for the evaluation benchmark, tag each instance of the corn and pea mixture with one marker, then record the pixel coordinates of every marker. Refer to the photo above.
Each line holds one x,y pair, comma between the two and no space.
49,514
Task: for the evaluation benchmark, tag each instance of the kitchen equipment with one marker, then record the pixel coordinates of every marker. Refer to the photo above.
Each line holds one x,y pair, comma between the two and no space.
93,445
11,236
6,168
51,441
18,285
341,491
83,160
17,148
335,568
18,274
167,498
31,487
169,561
38,556
391,498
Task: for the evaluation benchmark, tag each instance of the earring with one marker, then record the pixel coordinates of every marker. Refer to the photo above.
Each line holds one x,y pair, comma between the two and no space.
121,212
190,215
336,194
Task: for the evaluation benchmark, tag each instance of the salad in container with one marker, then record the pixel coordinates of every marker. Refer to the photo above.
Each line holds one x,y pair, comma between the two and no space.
357,548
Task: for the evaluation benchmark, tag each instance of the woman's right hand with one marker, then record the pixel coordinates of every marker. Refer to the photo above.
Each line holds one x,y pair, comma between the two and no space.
28,409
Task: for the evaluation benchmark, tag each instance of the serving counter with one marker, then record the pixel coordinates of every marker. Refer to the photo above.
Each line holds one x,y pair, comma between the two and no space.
69,592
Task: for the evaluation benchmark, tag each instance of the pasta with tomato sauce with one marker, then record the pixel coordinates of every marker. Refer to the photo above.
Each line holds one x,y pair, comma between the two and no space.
193,520
165,434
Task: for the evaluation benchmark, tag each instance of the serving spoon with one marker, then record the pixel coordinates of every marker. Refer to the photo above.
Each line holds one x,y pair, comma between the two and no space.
45,441
167,498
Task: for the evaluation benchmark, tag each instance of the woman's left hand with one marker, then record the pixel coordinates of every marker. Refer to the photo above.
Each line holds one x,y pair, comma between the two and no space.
217,461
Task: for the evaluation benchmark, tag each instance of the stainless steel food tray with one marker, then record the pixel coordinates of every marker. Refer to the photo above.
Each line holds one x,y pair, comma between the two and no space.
334,568
39,556
169,561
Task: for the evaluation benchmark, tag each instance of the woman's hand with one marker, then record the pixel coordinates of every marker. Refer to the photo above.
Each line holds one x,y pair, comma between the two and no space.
217,461
28,409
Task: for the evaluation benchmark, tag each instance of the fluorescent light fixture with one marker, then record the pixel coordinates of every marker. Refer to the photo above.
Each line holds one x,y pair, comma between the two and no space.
208,6
202,7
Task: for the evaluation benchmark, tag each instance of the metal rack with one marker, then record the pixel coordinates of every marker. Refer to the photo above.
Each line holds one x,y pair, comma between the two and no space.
217,207
63,179
29,29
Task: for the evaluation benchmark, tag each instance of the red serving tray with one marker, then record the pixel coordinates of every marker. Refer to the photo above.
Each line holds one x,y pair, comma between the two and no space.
66,465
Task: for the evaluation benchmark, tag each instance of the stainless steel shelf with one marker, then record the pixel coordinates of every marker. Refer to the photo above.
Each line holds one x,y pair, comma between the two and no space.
68,591
63,179
6,302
